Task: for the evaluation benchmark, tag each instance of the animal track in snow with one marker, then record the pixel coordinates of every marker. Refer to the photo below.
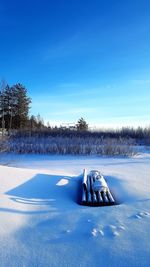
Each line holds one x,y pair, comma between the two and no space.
101,232
141,215
121,227
112,230
94,232
108,230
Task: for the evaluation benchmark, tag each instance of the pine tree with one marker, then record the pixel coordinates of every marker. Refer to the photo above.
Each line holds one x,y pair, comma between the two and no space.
2,105
14,106
33,122
82,125
40,122
21,106
8,107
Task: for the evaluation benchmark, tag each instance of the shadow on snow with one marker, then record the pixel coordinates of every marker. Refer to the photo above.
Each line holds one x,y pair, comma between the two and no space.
51,191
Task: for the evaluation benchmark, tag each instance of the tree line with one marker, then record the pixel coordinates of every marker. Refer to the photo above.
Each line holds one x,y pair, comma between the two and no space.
14,109
15,105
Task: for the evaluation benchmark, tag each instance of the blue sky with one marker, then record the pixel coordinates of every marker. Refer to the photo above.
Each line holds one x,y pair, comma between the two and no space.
79,58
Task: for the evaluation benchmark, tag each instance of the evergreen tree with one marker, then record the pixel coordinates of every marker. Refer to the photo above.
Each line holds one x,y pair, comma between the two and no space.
8,107
40,122
2,105
14,106
21,106
82,125
33,122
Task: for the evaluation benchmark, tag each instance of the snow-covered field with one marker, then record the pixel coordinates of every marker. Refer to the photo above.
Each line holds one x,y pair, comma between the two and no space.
42,225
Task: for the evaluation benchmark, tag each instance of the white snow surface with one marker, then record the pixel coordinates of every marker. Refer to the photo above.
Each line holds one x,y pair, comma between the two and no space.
42,224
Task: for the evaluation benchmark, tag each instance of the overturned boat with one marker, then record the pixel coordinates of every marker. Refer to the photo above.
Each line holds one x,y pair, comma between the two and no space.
95,191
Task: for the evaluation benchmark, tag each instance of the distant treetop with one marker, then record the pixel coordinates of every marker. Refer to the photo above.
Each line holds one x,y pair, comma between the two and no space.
82,125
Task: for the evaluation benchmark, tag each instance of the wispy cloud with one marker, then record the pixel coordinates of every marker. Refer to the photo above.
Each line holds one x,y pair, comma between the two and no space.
80,42
74,89
70,46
